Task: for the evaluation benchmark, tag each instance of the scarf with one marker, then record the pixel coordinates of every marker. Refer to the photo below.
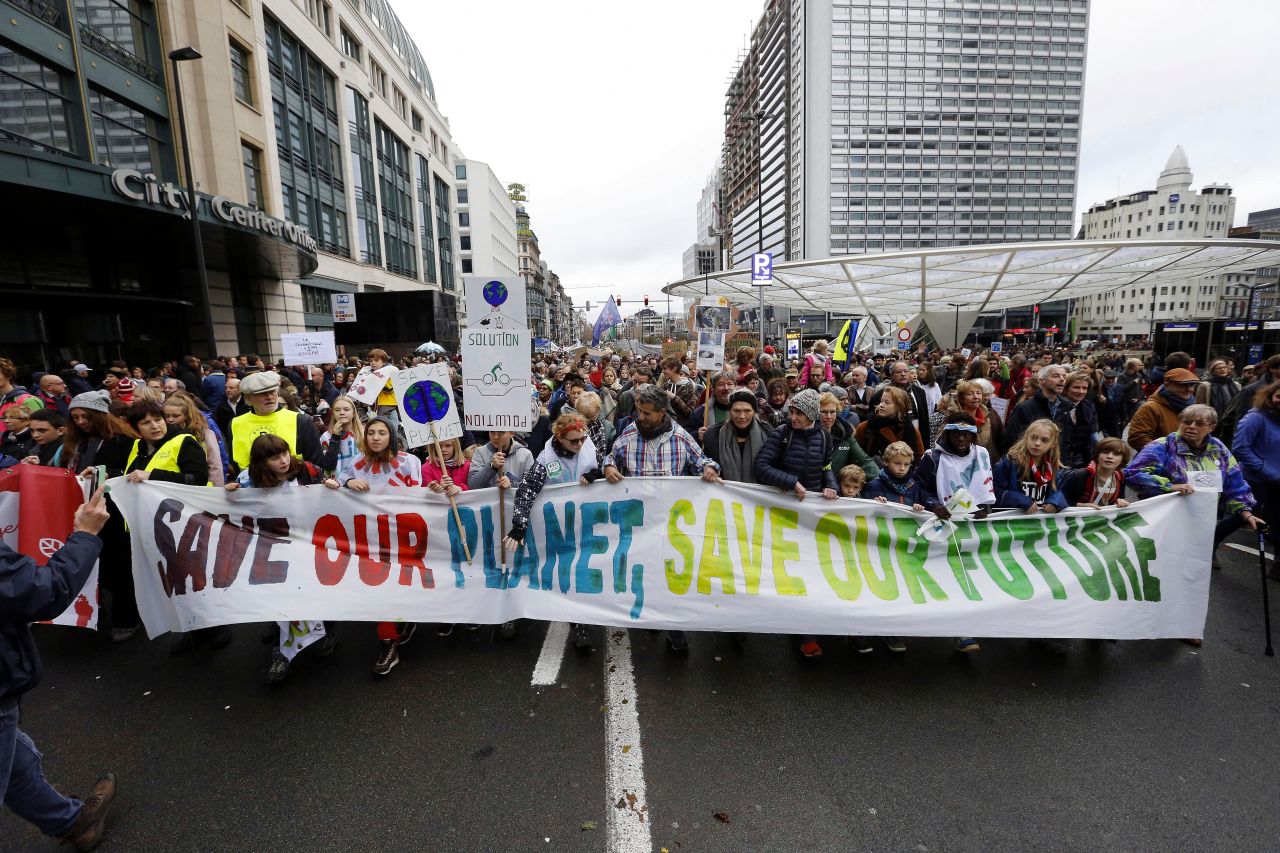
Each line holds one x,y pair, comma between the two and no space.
900,486
735,459
1040,472
1221,390
1175,402
650,434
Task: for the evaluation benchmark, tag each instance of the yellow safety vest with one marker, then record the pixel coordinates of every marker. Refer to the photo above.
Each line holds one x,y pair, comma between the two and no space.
166,457
247,427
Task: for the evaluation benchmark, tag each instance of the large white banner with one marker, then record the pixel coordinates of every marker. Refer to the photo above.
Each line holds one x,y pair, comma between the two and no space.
666,553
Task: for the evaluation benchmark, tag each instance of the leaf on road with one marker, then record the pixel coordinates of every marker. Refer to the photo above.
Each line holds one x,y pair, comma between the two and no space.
626,747
591,824
721,816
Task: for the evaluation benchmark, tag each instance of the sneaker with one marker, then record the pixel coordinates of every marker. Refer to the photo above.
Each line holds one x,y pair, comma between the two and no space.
279,668
581,638
86,832
895,644
677,641
811,649
862,645
444,630
967,645
185,643
220,638
407,630
327,644
124,635
387,658
507,630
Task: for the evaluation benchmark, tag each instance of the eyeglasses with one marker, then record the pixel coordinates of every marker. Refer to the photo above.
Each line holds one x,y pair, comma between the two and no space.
1198,423
577,440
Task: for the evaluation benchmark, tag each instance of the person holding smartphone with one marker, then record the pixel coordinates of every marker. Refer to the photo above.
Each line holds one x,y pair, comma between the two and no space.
30,593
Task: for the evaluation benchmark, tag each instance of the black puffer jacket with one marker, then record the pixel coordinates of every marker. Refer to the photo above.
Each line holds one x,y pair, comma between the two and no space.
791,456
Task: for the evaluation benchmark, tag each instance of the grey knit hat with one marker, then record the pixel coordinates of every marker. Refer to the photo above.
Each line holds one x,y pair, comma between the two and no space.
94,401
807,402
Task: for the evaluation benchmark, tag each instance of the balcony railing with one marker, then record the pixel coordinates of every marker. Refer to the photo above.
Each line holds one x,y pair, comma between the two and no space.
96,41
45,11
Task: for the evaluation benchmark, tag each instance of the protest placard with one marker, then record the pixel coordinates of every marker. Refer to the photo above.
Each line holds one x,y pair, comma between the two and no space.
303,348
424,395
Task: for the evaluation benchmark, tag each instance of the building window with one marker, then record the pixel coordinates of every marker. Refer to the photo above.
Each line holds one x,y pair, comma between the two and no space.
464,197
124,137
444,233
464,220
460,171
128,26
252,159
304,99
241,80
466,265
401,102
351,45
464,243
416,121
315,300
360,139
425,237
34,108
378,78
321,14
397,202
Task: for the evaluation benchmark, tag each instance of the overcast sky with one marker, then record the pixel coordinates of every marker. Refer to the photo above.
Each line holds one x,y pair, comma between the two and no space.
611,114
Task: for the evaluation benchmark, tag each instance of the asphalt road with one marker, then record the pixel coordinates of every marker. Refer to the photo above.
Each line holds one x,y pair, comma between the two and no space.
1116,746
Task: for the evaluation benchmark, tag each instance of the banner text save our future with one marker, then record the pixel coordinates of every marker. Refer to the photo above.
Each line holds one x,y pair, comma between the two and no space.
665,552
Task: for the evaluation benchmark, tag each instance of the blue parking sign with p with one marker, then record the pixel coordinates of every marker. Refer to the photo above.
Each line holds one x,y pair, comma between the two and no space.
762,268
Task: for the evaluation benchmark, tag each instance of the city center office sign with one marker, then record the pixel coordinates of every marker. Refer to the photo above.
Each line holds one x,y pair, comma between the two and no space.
134,185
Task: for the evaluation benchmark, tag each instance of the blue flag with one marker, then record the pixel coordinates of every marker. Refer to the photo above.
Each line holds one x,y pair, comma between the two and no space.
609,317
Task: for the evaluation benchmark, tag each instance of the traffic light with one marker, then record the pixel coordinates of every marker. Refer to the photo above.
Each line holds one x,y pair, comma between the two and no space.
1035,309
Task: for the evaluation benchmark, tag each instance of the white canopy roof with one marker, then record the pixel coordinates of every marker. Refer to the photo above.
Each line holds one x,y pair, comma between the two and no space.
899,285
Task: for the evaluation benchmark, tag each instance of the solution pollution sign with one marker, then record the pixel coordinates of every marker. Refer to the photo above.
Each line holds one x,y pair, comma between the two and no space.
496,384
674,553
424,395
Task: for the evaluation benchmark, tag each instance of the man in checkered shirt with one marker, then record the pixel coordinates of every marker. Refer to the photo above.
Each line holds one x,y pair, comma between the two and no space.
653,445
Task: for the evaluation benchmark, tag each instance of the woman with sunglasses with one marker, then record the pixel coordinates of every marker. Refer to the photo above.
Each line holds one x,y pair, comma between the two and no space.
569,457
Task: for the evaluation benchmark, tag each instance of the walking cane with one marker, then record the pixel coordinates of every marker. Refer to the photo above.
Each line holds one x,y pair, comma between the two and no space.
462,533
1266,598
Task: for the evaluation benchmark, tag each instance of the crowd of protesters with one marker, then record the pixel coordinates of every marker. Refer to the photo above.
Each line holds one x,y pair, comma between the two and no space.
1031,430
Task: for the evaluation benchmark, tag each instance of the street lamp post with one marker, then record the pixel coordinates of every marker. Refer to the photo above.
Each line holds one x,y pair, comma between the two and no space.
957,306
184,54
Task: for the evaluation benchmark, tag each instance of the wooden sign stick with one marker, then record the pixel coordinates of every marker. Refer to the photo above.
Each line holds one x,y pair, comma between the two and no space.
457,519
502,519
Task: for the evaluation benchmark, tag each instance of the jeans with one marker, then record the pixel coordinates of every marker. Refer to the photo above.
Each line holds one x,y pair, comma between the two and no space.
22,784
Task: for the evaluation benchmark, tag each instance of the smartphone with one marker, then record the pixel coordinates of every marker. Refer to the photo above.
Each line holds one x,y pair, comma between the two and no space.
99,477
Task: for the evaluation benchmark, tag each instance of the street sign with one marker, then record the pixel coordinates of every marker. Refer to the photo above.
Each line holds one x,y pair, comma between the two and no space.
1255,353
801,321
762,268
996,346
904,335
793,344
904,345
343,306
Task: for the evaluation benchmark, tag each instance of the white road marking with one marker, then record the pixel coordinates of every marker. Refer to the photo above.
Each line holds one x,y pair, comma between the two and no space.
547,671
1246,549
626,803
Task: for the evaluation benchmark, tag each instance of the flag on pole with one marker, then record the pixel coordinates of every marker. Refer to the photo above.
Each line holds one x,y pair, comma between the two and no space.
609,317
843,347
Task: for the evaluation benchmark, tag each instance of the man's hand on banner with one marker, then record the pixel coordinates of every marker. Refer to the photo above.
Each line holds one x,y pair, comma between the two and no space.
1182,489
612,474
138,476
711,475
92,514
